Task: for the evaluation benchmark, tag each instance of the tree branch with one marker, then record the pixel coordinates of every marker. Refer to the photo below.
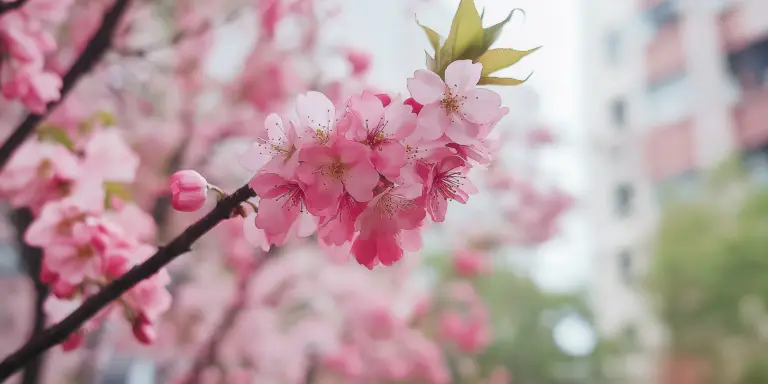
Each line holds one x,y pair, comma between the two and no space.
10,6
90,307
91,55
32,260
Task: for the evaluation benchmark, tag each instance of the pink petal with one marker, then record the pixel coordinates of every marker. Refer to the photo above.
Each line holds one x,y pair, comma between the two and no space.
450,163
462,75
481,106
364,251
432,123
274,125
368,108
463,132
426,87
254,235
360,181
315,110
267,185
317,155
275,216
388,251
437,206
254,158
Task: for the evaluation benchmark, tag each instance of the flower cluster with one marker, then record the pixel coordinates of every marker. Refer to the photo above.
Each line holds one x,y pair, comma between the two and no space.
369,175
89,234
25,41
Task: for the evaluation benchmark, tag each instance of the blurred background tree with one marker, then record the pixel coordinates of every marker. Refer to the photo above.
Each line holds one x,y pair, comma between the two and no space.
524,320
708,276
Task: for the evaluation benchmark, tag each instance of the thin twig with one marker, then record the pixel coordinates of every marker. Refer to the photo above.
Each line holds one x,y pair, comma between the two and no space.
91,55
90,307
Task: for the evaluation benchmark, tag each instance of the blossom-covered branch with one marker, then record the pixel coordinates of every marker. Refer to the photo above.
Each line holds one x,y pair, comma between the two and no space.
94,304
91,55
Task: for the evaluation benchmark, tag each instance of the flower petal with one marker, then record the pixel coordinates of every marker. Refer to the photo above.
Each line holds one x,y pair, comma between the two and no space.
432,123
481,106
315,110
426,87
463,75
360,181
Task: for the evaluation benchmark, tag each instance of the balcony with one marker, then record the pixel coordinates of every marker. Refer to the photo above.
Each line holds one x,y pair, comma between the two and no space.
665,54
750,119
743,24
670,150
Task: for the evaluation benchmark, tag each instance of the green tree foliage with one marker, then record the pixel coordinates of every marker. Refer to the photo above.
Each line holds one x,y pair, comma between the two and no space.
709,275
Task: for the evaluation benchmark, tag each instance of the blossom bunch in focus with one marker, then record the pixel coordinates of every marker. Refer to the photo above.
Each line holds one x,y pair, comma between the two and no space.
370,173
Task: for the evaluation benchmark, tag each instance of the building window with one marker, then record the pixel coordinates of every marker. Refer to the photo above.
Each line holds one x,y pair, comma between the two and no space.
619,112
624,199
626,267
669,101
613,47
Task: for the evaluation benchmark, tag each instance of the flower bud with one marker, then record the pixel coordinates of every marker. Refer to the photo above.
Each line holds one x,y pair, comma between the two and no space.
143,330
189,190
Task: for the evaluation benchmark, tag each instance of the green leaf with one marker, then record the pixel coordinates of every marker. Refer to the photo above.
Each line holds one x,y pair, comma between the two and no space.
434,37
431,62
492,33
502,80
466,30
498,59
113,189
55,134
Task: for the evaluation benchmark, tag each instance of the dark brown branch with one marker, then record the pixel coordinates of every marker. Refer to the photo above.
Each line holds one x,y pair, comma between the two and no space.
10,6
90,307
32,260
91,55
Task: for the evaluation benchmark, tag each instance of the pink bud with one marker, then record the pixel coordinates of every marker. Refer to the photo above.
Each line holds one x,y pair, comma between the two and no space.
469,263
189,190
143,330
359,60
385,99
46,275
414,104
63,290
73,341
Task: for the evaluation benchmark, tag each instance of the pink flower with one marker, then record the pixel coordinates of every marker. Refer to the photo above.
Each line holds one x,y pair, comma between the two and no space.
329,171
360,61
277,154
385,99
38,171
34,87
282,203
109,156
469,263
447,181
383,130
339,228
454,107
189,190
381,224
317,116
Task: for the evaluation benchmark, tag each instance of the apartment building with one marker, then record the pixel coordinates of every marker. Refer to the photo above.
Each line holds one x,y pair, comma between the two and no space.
672,88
